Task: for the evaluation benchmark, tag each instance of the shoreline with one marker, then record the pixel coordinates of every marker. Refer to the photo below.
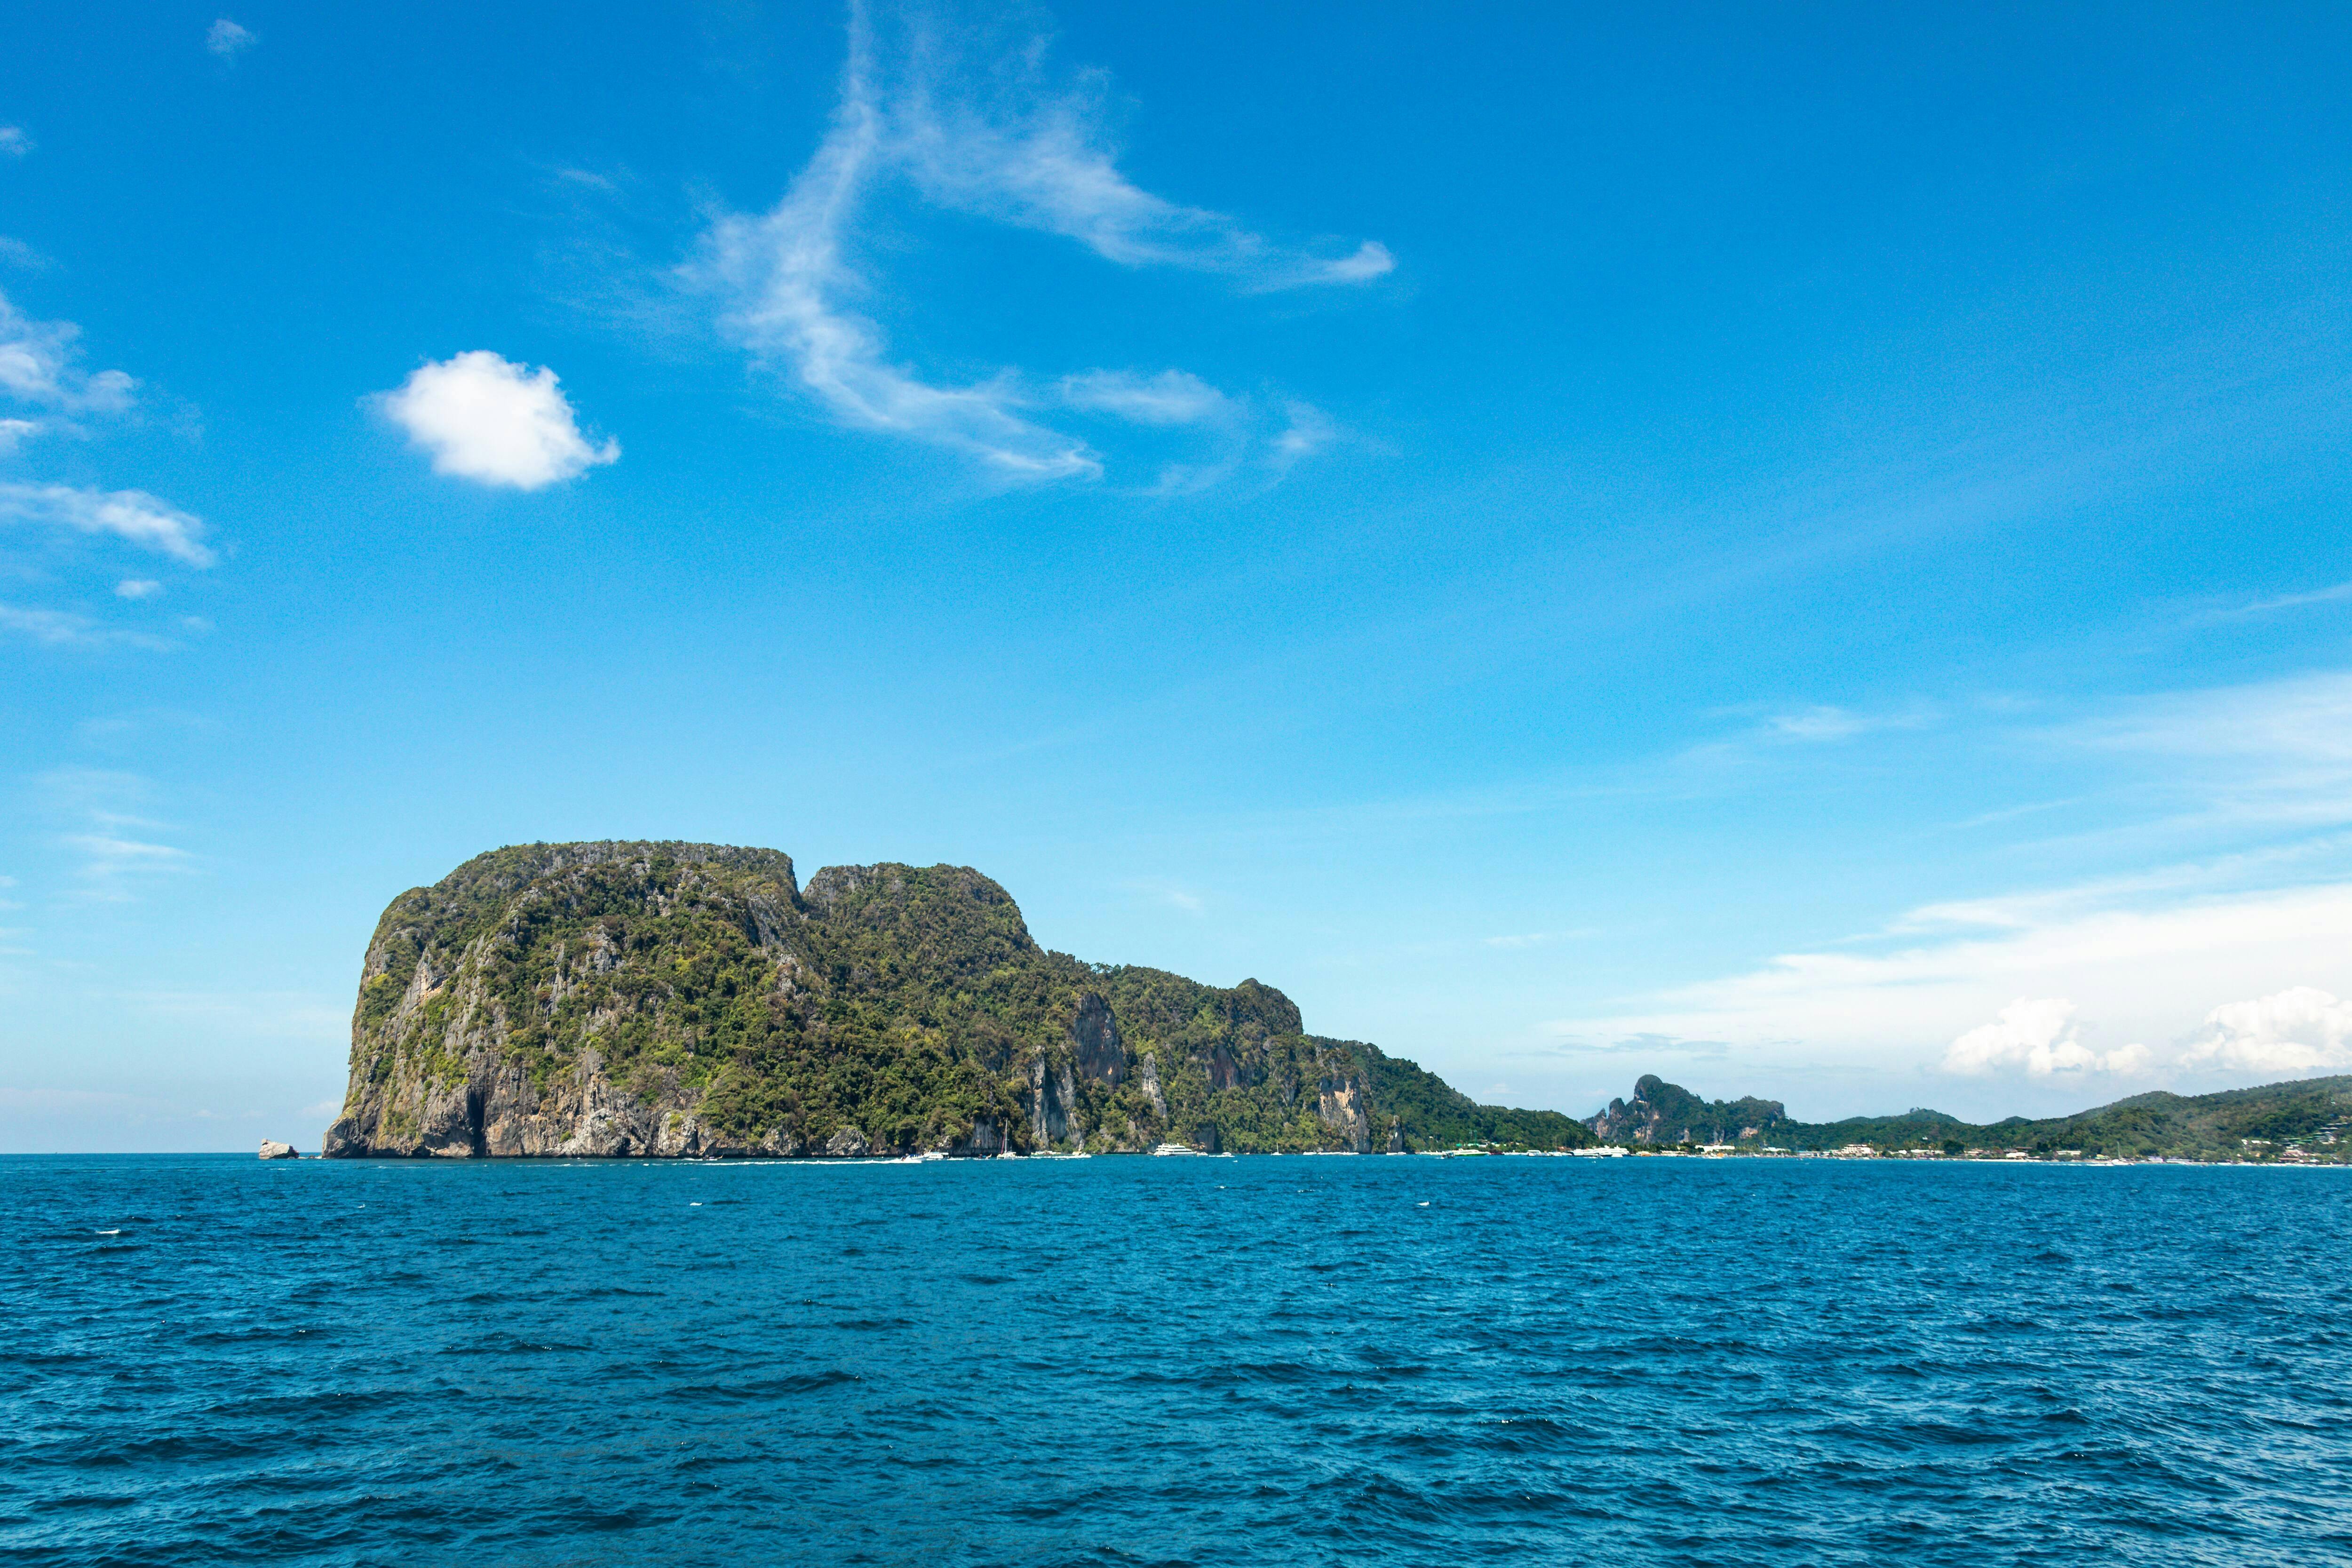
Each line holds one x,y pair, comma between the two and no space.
1611,1152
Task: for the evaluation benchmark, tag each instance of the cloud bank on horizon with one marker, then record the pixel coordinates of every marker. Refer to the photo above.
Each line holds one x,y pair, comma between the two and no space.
2171,974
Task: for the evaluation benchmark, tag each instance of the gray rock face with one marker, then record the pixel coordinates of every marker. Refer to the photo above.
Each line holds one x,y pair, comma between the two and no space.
1341,1101
273,1150
1094,1033
848,1143
442,1056
1053,1095
1147,1075
986,1139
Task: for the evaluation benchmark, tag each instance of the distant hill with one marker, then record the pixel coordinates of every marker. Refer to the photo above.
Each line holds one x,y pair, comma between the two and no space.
693,999
1435,1115
2310,1112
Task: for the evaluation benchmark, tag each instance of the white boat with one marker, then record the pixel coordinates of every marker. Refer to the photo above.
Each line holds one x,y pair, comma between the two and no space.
1174,1149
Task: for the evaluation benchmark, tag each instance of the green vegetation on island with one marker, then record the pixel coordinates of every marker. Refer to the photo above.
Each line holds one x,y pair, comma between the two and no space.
1440,1116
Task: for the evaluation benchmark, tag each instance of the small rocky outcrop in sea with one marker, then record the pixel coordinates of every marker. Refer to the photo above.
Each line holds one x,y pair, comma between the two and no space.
694,1000
273,1150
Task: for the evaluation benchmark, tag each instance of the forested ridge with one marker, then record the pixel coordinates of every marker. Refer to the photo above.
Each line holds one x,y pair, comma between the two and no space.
2301,1119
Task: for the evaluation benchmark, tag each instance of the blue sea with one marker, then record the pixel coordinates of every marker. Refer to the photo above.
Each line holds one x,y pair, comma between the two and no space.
210,1359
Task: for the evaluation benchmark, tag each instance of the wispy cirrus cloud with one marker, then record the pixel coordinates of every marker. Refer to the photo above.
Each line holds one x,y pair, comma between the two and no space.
975,123
1818,723
41,369
46,388
115,838
111,854
1171,398
62,628
1824,721
1306,431
1535,938
2124,975
133,515
226,41
252,1015
14,143
787,279
1646,1043
1175,895
981,127
2335,593
2272,755
2300,719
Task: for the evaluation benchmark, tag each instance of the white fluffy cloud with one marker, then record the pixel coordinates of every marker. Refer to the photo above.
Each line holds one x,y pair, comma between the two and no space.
132,515
2040,1034
14,143
2300,1029
485,418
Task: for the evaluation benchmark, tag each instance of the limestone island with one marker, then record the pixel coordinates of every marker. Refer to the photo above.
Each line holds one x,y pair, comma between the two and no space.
694,1000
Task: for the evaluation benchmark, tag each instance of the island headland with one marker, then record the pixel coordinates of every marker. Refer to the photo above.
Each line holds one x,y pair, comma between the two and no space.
694,1000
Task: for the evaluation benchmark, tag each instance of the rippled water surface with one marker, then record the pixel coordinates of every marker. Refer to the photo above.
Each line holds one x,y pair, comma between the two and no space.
1263,1361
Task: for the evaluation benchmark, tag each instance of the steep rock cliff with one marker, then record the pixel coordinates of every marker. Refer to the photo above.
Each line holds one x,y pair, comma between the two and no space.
686,999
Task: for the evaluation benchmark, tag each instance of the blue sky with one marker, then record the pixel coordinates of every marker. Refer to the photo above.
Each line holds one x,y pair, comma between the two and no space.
1805,551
